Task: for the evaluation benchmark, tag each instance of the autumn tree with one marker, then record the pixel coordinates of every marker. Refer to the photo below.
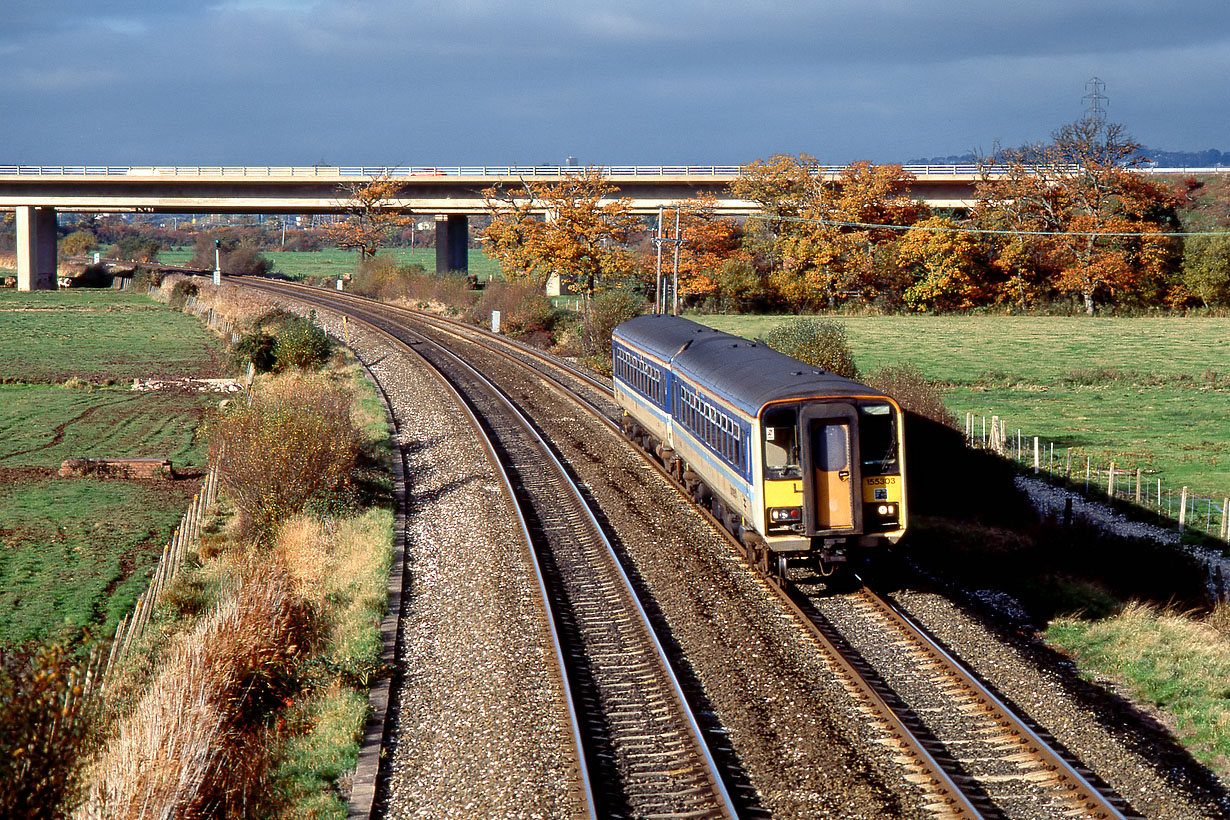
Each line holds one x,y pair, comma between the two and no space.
1076,202
1206,268
581,237
824,231
940,263
708,242
374,210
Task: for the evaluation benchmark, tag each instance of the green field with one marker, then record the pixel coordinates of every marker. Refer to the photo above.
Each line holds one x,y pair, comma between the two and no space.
76,552
1152,393
333,262
51,336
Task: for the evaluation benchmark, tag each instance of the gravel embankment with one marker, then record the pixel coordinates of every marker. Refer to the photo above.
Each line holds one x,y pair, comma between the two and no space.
1126,746
478,727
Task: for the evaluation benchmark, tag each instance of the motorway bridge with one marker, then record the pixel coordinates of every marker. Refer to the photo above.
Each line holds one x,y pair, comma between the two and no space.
37,193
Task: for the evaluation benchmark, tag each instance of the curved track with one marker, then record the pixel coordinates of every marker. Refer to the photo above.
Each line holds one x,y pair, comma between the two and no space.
987,762
645,753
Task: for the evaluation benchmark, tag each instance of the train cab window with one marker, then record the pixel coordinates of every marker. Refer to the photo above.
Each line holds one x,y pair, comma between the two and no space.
781,444
877,439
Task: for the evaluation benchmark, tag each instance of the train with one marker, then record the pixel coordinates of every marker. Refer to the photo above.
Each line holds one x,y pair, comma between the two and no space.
797,462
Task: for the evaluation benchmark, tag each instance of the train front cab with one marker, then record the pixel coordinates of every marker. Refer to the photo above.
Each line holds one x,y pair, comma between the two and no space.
833,476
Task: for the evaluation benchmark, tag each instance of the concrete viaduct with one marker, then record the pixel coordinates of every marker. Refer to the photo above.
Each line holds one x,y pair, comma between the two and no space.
37,193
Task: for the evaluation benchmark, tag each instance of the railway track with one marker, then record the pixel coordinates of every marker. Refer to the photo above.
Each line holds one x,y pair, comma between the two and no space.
645,753
1005,767
961,746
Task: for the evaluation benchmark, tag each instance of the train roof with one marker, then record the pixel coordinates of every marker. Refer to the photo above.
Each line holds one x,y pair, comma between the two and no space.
744,373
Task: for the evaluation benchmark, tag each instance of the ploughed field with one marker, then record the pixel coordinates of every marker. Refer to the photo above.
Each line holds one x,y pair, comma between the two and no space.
76,552
1147,393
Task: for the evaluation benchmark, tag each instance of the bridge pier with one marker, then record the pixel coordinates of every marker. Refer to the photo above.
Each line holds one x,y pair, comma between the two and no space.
452,243
36,248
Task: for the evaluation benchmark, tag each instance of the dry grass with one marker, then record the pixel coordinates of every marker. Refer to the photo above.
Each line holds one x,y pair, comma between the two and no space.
195,740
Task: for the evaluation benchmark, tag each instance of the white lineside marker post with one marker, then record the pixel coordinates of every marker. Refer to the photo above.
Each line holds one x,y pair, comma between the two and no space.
1037,456
1182,508
495,321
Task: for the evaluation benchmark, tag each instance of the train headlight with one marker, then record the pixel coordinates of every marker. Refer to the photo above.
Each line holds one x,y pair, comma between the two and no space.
886,509
785,515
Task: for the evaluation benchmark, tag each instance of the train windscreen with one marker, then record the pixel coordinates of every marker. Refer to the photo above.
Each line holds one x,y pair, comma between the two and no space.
877,439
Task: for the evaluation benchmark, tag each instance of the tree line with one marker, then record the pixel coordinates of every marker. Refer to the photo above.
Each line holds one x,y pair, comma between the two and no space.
1069,223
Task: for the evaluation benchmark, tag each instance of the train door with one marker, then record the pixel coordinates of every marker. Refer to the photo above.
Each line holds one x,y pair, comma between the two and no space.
832,447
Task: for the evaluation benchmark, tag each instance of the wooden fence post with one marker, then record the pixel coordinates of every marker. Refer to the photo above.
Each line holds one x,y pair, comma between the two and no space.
1182,507
1110,481
1224,532
1037,456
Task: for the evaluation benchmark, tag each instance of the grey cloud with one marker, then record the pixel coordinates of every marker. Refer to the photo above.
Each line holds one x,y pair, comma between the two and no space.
498,81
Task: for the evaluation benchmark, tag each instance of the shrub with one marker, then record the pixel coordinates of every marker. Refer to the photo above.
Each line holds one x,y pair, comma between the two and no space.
246,261
382,278
524,310
256,347
78,243
300,343
295,441
137,248
913,391
46,727
604,312
818,342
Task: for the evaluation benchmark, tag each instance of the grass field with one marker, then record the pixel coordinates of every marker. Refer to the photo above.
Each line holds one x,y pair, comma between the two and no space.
1152,393
75,552
52,336
333,262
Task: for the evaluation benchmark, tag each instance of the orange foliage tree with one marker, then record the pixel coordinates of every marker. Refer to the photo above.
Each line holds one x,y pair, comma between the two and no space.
940,262
374,209
1077,204
825,232
581,238
709,241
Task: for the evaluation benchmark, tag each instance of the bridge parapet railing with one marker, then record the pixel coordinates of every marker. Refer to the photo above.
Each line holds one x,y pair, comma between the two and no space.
406,171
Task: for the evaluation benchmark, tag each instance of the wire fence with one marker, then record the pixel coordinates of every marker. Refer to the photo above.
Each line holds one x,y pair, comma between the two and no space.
1111,480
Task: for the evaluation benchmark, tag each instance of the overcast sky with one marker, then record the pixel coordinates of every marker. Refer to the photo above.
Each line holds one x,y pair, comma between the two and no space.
499,82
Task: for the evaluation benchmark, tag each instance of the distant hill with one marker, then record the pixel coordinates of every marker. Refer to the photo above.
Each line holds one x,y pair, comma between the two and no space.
1162,159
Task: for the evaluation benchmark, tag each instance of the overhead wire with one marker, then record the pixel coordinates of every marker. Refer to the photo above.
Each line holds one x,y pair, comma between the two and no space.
991,231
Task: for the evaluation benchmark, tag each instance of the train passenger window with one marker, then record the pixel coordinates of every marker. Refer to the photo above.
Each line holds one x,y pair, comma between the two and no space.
781,444
877,439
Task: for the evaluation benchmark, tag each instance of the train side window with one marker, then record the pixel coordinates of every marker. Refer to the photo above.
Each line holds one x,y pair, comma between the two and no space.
781,444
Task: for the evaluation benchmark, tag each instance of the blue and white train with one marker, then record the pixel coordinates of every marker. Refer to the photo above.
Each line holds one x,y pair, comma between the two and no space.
793,460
